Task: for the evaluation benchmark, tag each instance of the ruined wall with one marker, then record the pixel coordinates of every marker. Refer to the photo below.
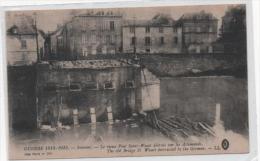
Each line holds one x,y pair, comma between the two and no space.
196,98
119,96
147,91
179,64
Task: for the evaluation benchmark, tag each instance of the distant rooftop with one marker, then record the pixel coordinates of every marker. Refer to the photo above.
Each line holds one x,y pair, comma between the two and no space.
100,14
22,26
202,15
89,64
143,23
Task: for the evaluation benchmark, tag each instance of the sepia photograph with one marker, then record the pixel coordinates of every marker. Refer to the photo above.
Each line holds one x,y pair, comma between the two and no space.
137,81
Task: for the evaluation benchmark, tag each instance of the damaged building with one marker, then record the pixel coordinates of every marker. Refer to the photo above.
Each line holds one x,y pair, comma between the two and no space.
102,86
23,42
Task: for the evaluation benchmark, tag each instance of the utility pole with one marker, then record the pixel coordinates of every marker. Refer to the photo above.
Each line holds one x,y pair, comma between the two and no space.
37,43
134,38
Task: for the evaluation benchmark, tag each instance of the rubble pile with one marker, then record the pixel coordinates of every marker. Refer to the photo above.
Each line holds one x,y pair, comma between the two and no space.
175,127
92,64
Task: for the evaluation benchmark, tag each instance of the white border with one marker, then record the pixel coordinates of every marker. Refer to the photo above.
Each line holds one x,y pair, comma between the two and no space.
253,64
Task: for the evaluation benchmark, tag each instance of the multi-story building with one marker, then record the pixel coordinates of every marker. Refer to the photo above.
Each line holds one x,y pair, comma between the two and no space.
233,30
106,33
23,42
149,37
90,34
199,31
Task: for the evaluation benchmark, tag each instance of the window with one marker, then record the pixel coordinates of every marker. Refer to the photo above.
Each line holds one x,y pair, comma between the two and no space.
132,29
187,29
175,40
74,87
108,39
23,44
197,49
133,41
51,87
147,41
210,49
161,29
147,29
91,86
210,29
112,25
198,29
108,85
147,50
129,84
99,50
162,40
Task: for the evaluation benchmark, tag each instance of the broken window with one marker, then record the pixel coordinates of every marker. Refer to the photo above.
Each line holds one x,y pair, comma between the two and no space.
108,85
129,84
74,87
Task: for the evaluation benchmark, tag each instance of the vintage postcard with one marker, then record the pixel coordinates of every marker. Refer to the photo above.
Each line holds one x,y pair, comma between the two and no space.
139,81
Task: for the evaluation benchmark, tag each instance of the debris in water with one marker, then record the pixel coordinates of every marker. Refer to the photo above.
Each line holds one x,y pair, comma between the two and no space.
174,126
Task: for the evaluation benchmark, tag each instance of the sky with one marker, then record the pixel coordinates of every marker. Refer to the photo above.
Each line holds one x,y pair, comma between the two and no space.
48,20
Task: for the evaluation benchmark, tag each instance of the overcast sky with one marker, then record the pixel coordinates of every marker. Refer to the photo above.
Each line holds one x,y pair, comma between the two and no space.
48,19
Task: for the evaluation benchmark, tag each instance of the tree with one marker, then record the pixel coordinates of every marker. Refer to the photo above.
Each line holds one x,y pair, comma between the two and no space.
233,30
162,19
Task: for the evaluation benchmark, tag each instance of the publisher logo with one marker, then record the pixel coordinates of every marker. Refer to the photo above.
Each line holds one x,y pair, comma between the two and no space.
225,144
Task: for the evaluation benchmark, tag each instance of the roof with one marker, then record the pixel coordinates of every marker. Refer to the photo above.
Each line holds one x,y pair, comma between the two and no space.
99,14
23,26
144,23
202,15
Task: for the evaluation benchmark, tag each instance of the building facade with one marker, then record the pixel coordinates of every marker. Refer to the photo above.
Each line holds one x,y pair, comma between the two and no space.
150,38
106,33
23,42
199,31
90,34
